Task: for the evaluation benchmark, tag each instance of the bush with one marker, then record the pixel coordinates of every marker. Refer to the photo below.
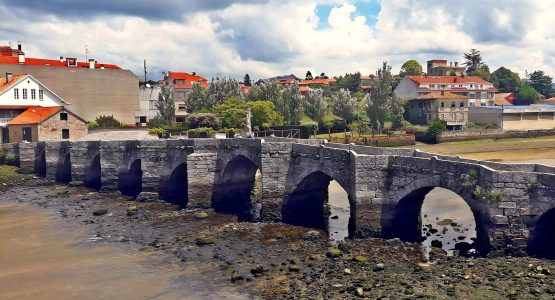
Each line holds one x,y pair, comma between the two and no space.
202,132
198,120
92,124
157,130
108,121
230,132
155,122
435,128
308,126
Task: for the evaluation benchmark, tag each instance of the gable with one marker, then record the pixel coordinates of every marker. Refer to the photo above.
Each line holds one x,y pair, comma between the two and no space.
30,87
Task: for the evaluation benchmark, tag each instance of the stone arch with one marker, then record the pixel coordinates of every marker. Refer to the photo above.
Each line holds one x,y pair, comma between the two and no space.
304,205
40,163
63,168
174,190
233,189
541,242
92,176
130,180
400,217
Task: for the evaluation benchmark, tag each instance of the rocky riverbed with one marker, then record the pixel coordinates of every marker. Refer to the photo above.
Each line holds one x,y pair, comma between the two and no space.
279,261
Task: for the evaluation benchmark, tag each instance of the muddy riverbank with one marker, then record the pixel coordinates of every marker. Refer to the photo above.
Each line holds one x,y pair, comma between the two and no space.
270,261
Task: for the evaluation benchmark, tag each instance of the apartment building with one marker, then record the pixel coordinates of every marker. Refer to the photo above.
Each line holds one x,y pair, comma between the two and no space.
448,107
181,84
440,67
148,97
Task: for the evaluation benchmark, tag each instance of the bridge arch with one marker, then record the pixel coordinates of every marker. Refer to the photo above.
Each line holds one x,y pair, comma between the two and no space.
400,217
233,190
92,176
541,242
63,168
40,163
304,205
130,179
174,190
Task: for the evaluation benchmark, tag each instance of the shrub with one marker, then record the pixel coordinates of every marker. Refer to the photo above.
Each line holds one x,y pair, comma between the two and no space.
92,124
197,120
202,132
155,122
230,132
157,130
435,128
308,126
108,121
10,159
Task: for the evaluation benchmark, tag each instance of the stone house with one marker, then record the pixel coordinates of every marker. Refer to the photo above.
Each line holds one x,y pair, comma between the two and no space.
47,124
448,107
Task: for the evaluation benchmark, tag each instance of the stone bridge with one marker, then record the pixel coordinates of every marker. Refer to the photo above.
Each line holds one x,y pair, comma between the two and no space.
512,204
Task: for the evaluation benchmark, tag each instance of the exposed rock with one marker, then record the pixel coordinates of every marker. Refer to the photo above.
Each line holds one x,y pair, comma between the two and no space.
100,212
359,292
201,215
312,235
294,268
379,267
132,210
360,258
205,240
333,252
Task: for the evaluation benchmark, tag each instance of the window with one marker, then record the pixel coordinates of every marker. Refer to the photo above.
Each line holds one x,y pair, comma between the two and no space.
16,93
470,104
483,103
63,116
461,104
472,96
483,95
65,134
453,104
179,81
33,94
471,86
142,119
432,86
181,106
41,95
24,93
442,104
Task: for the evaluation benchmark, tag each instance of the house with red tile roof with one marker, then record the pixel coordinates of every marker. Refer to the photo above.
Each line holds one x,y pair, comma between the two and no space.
93,88
479,92
451,108
182,83
26,103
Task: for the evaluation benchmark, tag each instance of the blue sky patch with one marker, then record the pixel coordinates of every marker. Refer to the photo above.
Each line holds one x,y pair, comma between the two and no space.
368,8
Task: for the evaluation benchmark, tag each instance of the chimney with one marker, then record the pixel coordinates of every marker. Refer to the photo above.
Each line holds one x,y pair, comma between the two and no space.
91,63
19,46
194,73
61,59
9,77
456,64
450,63
20,56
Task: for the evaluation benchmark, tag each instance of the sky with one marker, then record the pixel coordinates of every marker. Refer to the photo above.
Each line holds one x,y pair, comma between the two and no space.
265,38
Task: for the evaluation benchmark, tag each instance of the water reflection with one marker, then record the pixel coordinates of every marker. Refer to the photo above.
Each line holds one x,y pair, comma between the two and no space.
339,214
446,221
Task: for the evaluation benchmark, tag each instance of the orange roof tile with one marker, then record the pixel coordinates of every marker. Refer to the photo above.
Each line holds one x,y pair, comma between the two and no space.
448,79
189,79
550,99
501,99
316,81
445,95
35,115
6,85
13,60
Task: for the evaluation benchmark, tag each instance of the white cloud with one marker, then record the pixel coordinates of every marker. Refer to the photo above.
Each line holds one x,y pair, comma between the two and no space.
280,37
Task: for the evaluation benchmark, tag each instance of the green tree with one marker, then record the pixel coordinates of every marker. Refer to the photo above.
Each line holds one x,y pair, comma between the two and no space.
483,72
323,75
315,106
293,101
360,127
436,127
165,105
542,83
264,115
344,104
380,97
308,75
222,89
350,81
247,80
411,68
473,61
396,112
506,80
528,93
197,99
232,113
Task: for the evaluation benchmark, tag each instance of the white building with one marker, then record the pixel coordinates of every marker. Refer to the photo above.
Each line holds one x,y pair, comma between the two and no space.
148,96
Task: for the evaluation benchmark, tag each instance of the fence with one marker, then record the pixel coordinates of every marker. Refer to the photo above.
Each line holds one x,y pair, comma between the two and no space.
287,133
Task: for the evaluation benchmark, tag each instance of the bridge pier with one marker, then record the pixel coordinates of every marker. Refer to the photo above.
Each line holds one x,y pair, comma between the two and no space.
201,172
58,161
274,166
85,164
27,157
116,160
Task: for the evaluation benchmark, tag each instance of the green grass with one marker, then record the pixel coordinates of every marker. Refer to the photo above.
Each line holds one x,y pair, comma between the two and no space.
9,176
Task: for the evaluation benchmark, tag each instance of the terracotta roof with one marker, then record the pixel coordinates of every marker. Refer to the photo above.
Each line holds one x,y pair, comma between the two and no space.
501,99
35,115
550,99
316,81
14,60
6,85
448,79
188,79
445,95
285,81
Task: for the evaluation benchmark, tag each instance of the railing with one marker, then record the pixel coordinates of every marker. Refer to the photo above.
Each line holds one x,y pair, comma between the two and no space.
4,121
453,109
288,133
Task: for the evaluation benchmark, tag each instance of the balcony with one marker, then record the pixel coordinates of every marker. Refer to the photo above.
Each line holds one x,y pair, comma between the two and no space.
453,109
5,121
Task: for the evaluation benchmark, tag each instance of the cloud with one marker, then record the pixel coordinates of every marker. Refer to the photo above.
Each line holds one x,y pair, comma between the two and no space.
269,37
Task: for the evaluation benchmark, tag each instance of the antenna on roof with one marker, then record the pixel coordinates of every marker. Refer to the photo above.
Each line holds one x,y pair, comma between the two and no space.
19,43
144,66
87,52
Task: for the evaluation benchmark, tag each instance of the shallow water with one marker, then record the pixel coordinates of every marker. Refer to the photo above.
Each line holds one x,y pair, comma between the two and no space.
43,258
338,220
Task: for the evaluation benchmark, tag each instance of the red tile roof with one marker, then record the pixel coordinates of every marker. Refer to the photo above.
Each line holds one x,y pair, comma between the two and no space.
34,115
445,95
448,79
316,81
188,79
6,85
285,81
13,60
503,99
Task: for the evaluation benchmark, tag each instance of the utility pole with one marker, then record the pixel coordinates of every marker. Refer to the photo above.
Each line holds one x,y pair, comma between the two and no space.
87,52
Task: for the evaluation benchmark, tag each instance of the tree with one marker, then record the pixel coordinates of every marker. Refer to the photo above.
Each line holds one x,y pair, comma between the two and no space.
165,105
542,83
232,113
380,97
435,128
308,75
315,106
344,105
529,94
506,80
199,120
222,89
323,75
473,61
396,112
293,100
483,72
264,115
197,99
411,68
360,127
350,81
247,80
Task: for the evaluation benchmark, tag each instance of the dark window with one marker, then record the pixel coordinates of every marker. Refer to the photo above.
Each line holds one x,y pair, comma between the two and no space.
453,104
65,134
63,116
142,119
442,104
462,104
